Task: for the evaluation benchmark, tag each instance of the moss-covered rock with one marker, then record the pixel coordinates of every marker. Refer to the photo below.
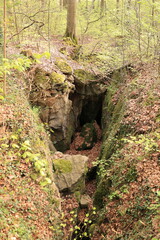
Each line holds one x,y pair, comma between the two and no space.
63,66
83,76
76,52
57,78
62,165
41,79
70,172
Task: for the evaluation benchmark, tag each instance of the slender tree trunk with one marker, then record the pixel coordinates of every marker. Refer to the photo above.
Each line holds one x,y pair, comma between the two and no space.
103,5
117,5
4,45
61,4
92,4
87,4
129,4
153,13
71,20
15,20
49,45
138,16
42,4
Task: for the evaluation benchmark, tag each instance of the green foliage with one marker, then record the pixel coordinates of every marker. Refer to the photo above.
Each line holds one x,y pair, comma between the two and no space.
19,64
24,150
148,142
57,78
1,94
38,56
78,229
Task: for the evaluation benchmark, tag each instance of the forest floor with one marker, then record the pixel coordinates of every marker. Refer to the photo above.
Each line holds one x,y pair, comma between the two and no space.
141,152
25,210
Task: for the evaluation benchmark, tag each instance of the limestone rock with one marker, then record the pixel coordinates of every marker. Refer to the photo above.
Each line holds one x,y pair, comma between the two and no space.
61,121
85,200
67,100
88,84
70,171
83,76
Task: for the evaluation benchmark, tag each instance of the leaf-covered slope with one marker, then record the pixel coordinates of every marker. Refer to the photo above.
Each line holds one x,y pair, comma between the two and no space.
29,199
130,177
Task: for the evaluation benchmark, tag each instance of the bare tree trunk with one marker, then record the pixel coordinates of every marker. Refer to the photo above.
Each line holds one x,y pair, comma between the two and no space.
49,43
4,45
71,20
138,16
61,4
92,4
103,5
87,4
117,3
153,13
16,22
42,3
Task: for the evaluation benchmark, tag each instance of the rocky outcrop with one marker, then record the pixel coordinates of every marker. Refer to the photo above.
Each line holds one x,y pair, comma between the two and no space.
67,100
87,83
63,66
70,172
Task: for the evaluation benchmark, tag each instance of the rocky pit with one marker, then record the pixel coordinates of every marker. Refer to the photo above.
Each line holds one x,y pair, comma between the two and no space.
70,103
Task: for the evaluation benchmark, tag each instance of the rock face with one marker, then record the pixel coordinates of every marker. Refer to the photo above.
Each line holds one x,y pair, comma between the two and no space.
61,120
85,200
67,100
70,171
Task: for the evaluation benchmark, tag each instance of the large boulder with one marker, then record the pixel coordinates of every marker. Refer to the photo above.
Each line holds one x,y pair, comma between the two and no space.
70,172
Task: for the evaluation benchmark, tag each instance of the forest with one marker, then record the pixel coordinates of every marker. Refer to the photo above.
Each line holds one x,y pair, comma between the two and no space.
79,119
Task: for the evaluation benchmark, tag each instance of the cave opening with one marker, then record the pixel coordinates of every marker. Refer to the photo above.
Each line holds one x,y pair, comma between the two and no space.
91,111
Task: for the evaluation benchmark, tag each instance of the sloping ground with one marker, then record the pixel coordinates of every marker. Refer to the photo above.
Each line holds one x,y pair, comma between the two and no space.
131,204
29,200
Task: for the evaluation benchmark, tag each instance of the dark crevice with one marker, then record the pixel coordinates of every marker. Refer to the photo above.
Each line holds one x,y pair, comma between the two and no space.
91,174
91,110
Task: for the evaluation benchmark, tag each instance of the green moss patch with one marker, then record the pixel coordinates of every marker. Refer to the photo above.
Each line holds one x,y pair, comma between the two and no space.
62,165
63,66
57,78
41,79
83,75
